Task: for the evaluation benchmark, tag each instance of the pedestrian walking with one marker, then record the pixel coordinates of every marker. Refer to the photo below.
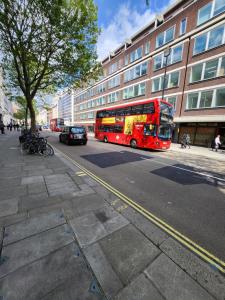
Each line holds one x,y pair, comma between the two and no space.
17,126
188,140
2,127
217,142
10,126
183,141
14,126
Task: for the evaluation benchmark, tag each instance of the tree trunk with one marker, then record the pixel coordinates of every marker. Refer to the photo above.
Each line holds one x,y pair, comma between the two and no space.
26,117
32,114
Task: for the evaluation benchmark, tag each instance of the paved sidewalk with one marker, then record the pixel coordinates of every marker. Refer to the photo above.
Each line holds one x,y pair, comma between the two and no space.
64,236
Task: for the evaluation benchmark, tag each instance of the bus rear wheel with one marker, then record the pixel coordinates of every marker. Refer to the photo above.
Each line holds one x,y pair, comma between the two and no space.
105,140
133,144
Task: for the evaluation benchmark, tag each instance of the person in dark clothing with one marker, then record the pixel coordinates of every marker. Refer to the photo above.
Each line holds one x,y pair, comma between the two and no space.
2,127
10,126
183,141
188,140
17,126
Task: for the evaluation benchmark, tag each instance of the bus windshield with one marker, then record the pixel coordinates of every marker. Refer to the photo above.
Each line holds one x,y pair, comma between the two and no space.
166,113
165,132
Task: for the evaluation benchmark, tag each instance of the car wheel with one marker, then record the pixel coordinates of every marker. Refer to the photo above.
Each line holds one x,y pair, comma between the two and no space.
84,143
105,140
133,144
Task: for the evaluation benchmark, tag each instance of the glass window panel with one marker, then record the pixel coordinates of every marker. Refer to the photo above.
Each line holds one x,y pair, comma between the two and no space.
174,79
155,85
169,35
216,37
172,100
196,73
220,97
160,40
139,53
164,81
177,54
192,101
137,71
200,43
206,99
222,68
183,26
142,88
158,62
219,7
204,13
144,69
211,69
147,47
126,60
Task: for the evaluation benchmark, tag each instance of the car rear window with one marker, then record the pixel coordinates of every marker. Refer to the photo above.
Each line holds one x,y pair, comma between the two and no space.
77,130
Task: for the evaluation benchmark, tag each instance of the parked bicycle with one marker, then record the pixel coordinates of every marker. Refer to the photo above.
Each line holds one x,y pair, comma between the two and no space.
32,143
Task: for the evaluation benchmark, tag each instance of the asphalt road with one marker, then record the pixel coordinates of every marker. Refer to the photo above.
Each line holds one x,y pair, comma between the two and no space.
192,203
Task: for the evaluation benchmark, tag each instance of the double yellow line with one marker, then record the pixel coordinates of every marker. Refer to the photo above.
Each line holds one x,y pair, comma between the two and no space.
203,253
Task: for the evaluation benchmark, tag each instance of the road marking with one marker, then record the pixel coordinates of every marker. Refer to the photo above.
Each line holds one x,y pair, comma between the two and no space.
200,251
186,170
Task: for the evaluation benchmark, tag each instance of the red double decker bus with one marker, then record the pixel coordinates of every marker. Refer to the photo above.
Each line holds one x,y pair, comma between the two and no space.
56,124
146,124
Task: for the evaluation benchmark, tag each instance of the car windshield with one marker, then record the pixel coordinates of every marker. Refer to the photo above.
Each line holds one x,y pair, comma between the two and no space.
165,132
77,130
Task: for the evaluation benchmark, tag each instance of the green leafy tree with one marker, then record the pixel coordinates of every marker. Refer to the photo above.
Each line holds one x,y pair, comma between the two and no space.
47,44
22,111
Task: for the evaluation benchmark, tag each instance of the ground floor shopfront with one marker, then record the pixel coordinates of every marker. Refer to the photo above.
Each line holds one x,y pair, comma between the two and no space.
202,134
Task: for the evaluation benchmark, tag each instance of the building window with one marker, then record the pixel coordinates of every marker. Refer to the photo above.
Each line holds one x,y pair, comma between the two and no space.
220,97
134,91
101,88
206,99
210,10
113,97
209,40
90,115
100,101
113,68
192,101
171,81
136,54
175,56
147,48
173,101
126,62
183,26
165,37
210,69
136,72
115,81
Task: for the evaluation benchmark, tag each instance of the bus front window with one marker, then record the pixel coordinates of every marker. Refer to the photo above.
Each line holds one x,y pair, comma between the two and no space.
165,132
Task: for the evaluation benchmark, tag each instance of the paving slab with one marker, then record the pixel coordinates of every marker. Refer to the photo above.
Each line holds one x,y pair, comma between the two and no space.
57,179
109,281
210,279
129,252
107,195
32,179
86,204
32,248
41,172
36,188
8,207
94,226
77,288
140,289
156,235
37,279
9,220
32,226
31,168
37,200
173,282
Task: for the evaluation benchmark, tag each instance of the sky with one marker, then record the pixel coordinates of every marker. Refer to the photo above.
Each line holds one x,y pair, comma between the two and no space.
120,19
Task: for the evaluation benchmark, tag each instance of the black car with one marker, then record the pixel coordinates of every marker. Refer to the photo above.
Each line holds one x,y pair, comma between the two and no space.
73,135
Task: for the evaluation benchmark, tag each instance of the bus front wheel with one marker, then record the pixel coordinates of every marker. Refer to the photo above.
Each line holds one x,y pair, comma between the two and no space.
133,144
105,139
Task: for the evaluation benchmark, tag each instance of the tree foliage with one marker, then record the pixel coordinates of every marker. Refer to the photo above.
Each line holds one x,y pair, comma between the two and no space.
47,44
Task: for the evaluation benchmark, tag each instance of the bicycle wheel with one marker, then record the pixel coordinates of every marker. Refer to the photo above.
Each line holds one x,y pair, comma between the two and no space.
50,150
46,150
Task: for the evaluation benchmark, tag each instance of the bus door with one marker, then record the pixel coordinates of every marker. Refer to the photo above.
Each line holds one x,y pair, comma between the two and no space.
138,131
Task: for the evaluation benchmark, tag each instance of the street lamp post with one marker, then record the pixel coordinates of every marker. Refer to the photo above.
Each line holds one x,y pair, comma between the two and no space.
166,55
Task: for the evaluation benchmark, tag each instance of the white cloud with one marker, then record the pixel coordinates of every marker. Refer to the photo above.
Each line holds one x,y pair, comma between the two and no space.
125,23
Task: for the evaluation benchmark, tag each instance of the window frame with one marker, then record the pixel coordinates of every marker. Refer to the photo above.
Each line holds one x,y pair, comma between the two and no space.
212,12
172,55
207,40
185,28
164,36
168,81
